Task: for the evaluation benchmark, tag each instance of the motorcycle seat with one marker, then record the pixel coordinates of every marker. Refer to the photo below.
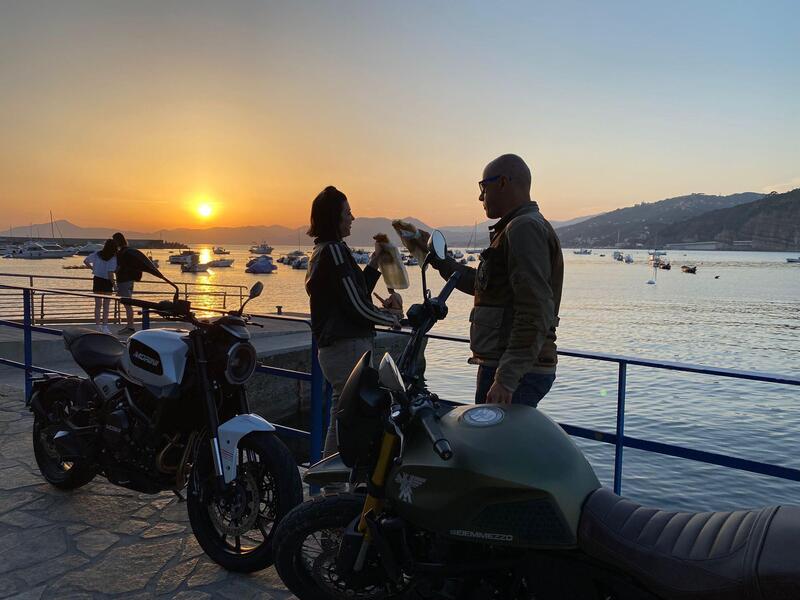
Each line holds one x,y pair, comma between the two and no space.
93,351
743,554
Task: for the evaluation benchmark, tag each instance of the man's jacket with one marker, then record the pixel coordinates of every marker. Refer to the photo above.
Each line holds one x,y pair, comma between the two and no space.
517,289
340,295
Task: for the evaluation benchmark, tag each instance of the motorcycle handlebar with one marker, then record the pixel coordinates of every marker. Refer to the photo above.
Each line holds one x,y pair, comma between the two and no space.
440,444
448,288
181,308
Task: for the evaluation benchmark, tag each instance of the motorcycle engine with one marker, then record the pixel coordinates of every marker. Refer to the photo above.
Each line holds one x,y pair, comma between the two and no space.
116,428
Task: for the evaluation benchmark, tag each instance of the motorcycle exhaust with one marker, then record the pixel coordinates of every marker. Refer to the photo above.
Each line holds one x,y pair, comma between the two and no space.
68,446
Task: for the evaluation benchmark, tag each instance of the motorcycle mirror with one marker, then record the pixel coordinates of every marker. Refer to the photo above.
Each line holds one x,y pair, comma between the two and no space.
437,244
256,290
389,375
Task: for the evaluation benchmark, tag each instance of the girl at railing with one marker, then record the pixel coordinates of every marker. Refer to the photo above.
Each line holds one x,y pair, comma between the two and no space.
103,264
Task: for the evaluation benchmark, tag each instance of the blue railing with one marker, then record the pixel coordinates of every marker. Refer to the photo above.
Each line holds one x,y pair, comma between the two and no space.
320,393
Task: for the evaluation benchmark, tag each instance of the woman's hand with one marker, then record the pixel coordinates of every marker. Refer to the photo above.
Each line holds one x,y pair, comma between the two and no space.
375,258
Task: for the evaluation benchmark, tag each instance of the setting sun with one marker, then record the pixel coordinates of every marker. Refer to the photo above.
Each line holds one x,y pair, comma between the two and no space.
204,210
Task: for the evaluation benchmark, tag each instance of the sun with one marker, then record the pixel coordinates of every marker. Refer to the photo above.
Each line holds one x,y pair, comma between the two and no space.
205,210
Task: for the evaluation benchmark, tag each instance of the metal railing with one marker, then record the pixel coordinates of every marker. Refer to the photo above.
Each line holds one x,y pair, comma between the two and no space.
50,306
617,438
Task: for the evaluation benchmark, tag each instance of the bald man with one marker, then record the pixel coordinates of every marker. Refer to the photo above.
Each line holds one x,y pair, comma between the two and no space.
517,290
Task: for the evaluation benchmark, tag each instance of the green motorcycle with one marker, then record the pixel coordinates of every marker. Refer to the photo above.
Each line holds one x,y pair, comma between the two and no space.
496,502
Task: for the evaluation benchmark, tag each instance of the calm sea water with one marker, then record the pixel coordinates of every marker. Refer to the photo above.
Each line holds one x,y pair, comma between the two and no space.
740,311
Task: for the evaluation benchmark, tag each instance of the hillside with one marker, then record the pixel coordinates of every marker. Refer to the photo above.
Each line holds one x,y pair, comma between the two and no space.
643,223
772,223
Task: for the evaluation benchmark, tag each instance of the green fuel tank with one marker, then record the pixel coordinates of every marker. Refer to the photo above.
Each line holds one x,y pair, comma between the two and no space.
515,478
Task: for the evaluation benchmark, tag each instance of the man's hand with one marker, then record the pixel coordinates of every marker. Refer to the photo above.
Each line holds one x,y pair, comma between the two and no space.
498,394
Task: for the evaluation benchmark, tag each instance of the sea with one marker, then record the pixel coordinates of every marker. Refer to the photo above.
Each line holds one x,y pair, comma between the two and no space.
740,311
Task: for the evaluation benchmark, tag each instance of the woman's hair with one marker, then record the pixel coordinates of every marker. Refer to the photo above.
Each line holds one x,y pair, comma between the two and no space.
120,239
326,214
109,250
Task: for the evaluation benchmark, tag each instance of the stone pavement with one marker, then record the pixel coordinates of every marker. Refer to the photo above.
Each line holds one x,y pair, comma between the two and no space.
99,541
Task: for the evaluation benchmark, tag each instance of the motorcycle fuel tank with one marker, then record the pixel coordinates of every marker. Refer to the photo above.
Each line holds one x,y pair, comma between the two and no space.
515,478
156,358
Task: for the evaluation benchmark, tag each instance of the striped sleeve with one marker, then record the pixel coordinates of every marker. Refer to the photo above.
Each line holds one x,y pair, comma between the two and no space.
362,308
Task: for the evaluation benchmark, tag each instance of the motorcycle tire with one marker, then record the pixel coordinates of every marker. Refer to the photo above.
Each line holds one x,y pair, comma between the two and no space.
321,514
65,475
206,508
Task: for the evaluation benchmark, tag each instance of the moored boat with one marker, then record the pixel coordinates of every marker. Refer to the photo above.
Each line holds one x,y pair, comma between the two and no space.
260,265
221,250
221,262
583,251
37,250
262,248
689,269
184,258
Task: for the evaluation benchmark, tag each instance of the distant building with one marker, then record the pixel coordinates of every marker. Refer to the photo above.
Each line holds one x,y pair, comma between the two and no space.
698,246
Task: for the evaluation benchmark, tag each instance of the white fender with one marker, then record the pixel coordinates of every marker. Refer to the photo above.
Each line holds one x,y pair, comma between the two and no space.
230,432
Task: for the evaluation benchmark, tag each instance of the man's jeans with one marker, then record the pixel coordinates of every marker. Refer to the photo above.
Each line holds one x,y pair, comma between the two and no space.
532,387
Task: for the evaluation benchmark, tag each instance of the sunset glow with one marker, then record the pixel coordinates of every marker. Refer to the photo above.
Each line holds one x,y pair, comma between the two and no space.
205,210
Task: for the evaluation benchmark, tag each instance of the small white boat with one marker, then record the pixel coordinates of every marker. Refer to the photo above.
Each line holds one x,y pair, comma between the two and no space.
184,258
473,250
411,261
301,264
194,268
618,256
221,262
360,256
583,251
260,265
262,248
471,258
793,260
221,250
152,260
458,254
89,248
290,258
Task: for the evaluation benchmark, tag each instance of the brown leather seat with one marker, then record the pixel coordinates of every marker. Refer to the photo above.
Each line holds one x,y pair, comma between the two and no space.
747,554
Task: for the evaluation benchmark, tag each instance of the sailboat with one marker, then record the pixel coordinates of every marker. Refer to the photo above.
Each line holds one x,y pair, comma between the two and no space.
470,249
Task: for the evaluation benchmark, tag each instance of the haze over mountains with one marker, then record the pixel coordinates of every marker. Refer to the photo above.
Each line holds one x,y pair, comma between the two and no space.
771,222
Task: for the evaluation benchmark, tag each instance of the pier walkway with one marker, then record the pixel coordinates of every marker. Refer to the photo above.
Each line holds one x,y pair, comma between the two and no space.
100,540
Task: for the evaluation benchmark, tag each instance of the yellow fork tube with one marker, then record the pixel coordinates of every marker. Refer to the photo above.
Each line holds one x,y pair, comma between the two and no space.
378,479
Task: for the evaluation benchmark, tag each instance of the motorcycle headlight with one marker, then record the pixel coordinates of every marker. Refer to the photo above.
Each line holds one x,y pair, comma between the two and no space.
241,363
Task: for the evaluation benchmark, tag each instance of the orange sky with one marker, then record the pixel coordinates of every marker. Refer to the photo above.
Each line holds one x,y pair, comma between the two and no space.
127,114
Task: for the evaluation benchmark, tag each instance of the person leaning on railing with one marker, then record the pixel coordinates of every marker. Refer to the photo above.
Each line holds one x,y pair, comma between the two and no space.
103,264
128,271
517,290
343,317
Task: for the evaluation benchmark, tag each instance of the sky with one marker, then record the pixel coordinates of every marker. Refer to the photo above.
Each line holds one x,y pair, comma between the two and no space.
134,114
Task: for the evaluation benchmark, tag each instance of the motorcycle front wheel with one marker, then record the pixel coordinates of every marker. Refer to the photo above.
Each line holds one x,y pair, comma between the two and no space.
307,544
236,527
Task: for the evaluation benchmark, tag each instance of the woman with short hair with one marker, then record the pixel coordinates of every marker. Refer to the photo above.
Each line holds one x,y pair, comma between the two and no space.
343,317
103,264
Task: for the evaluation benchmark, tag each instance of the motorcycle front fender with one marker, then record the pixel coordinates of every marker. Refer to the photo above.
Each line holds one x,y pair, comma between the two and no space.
230,434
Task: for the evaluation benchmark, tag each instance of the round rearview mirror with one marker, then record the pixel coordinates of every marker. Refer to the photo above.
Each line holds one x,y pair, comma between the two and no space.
437,244
256,290
389,375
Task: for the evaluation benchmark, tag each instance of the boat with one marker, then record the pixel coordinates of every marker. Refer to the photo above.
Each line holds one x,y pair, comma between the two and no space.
221,262
462,261
689,269
618,256
260,265
793,260
221,250
471,258
262,248
360,256
583,251
152,260
473,250
37,250
289,259
184,258
664,265
457,254
301,264
88,248
76,267
411,261
628,259
194,268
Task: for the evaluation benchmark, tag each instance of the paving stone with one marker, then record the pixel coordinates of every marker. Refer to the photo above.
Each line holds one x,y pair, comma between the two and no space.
191,595
75,529
32,594
237,588
205,573
162,529
18,477
49,570
191,548
124,569
10,587
8,416
95,541
11,500
39,501
175,513
172,578
24,548
131,527
144,513
21,518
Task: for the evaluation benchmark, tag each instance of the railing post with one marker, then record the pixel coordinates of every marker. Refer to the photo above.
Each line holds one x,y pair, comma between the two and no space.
317,406
41,311
621,387
27,308
145,318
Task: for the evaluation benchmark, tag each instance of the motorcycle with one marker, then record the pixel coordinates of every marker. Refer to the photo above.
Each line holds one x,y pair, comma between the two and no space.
496,501
168,411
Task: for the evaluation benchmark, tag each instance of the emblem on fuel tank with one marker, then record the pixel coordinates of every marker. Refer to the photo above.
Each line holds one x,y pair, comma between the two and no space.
483,416
407,485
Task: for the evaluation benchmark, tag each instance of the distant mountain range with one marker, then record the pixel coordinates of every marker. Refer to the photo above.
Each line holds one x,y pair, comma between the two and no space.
644,224
771,222
277,235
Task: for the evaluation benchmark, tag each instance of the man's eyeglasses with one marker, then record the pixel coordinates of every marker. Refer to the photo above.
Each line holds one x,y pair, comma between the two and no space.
483,182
